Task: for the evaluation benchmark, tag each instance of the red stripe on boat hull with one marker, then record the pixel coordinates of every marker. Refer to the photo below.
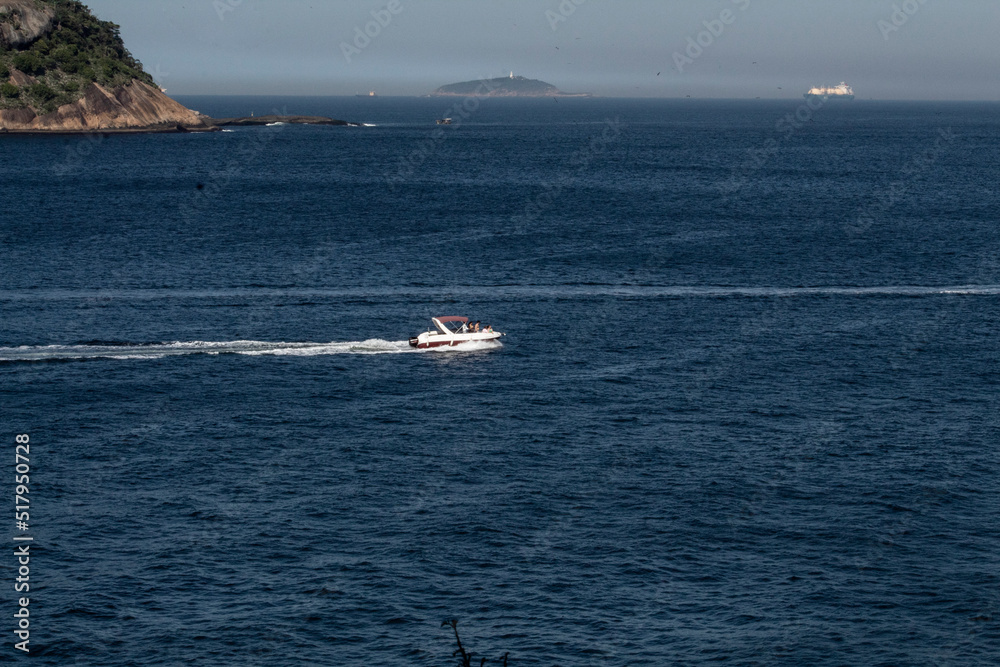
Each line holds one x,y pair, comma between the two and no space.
424,346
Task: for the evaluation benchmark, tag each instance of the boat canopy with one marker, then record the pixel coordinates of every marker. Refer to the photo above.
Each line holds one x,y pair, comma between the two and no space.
442,323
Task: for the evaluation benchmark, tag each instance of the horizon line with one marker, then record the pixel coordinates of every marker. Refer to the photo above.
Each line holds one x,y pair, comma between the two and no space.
587,97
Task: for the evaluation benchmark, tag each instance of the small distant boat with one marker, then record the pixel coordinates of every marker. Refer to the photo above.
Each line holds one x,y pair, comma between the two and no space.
275,124
452,332
444,121
371,93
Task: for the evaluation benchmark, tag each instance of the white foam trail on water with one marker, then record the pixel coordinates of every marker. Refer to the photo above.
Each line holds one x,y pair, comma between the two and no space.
242,347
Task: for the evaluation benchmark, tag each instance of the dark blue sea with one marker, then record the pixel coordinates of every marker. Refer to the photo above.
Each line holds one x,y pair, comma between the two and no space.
746,411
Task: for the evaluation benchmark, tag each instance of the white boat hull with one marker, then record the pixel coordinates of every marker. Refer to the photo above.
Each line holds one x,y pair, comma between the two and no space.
432,339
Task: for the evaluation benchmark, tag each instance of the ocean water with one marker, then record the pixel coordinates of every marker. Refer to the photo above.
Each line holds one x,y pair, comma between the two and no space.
745,411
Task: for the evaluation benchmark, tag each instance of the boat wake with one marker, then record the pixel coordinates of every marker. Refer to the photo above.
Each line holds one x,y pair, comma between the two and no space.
117,350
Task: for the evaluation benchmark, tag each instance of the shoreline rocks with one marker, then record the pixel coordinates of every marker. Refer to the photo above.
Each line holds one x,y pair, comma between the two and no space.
271,120
135,107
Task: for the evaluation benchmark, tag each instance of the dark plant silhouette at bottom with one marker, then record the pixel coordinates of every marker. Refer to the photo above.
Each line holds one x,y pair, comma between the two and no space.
466,656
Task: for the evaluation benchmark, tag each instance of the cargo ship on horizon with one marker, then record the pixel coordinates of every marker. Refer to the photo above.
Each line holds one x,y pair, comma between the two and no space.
841,92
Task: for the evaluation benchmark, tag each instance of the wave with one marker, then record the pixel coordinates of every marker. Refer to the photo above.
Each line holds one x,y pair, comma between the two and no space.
131,351
566,290
879,290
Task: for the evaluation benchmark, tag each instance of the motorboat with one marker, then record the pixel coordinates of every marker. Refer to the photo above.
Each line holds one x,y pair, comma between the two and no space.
451,332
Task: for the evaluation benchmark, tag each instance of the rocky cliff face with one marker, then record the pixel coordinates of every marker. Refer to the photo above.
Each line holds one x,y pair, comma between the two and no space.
64,70
24,21
136,106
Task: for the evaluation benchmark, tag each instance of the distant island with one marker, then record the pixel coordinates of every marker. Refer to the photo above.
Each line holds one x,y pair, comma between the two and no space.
512,86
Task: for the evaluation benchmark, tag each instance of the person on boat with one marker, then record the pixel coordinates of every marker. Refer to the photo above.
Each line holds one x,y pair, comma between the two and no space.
476,330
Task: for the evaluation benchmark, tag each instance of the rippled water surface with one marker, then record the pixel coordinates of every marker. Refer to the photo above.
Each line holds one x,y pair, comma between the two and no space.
745,411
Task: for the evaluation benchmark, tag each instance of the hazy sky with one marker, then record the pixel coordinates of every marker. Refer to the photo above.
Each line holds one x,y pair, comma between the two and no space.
939,49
